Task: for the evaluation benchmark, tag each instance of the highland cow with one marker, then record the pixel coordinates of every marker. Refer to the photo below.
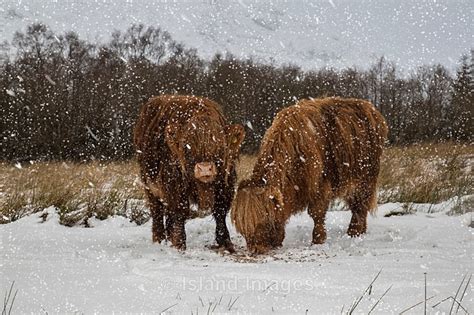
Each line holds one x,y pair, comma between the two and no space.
187,154
315,151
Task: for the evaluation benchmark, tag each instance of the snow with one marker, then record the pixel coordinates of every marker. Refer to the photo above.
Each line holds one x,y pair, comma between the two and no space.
89,131
11,93
309,33
114,267
249,124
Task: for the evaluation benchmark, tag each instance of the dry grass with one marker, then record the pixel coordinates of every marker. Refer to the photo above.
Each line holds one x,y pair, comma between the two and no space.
420,174
78,191
426,173
245,166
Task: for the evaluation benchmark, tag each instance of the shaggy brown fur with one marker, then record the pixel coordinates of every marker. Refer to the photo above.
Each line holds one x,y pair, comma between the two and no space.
315,151
186,153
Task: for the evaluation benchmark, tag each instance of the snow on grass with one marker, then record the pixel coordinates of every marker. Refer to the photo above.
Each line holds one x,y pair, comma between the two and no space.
114,267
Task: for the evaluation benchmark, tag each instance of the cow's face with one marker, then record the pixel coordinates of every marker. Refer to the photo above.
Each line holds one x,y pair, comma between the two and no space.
205,151
205,172
208,147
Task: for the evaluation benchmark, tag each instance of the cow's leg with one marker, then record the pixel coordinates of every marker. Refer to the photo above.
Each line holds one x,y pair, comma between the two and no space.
168,226
317,210
361,202
156,212
178,232
222,203
175,223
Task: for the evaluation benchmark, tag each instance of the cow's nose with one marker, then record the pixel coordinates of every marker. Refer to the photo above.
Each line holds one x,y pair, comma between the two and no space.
205,168
205,171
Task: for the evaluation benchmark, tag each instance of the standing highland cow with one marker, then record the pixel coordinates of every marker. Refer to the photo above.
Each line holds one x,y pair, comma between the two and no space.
186,153
315,151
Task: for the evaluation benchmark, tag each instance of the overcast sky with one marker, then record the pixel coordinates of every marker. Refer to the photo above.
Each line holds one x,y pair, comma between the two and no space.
312,34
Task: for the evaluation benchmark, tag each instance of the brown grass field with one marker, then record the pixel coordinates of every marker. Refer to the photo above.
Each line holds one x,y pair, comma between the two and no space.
428,173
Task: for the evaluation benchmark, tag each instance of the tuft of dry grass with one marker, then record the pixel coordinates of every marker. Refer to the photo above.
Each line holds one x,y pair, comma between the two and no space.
80,191
426,173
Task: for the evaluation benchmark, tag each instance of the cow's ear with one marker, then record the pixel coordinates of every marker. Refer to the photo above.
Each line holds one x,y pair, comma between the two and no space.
172,140
234,134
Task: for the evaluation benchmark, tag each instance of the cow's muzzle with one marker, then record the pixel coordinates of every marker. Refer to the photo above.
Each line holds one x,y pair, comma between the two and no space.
205,171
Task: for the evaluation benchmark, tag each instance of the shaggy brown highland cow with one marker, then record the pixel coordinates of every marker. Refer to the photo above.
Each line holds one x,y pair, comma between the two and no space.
186,153
315,151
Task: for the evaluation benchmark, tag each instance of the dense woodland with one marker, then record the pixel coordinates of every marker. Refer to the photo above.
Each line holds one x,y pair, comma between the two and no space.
64,98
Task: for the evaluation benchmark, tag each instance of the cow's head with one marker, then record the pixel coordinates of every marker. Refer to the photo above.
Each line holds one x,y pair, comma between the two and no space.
256,214
206,151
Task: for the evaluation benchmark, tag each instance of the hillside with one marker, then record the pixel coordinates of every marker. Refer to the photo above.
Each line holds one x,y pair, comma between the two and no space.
336,33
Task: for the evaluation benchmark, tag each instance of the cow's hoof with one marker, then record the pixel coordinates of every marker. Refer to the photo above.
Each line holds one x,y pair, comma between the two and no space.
319,238
228,246
157,238
180,246
355,231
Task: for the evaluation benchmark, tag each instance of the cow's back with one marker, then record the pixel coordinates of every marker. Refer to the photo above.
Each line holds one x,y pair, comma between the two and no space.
354,134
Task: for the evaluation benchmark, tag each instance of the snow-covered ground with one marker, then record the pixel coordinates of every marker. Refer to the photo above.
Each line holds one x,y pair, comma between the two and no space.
309,33
114,267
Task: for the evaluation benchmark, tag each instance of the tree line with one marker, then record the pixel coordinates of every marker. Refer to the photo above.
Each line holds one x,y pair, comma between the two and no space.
65,98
